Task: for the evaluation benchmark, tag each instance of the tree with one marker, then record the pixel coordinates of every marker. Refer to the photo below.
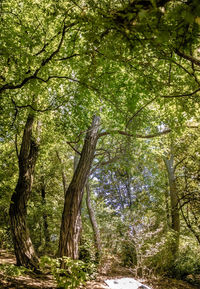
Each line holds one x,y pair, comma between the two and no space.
24,250
96,233
70,231
131,59
45,221
174,201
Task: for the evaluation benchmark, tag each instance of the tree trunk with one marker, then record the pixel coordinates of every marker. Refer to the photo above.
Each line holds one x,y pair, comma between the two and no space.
97,238
64,178
24,250
167,209
45,222
70,229
175,218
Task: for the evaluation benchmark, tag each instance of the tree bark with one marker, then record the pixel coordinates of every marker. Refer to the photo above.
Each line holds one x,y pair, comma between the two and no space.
24,250
167,209
45,222
97,238
70,229
175,218
64,178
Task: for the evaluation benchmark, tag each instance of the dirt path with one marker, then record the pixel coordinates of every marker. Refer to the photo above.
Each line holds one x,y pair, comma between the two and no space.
28,281
33,281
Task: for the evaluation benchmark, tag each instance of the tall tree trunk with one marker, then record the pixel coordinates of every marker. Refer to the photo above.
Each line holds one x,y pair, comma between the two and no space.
45,222
97,238
167,209
70,229
64,178
24,250
175,218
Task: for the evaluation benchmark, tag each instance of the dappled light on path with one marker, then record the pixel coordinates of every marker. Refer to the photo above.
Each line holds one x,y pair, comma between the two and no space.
125,283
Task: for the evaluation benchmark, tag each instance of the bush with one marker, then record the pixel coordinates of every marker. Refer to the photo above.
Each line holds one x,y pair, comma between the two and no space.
76,272
128,253
187,263
13,270
85,252
5,238
158,255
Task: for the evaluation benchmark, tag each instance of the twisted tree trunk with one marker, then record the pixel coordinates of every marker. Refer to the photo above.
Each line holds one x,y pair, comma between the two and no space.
70,226
24,250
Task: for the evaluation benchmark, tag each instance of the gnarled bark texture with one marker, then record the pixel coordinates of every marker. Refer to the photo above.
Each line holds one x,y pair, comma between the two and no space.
24,250
70,226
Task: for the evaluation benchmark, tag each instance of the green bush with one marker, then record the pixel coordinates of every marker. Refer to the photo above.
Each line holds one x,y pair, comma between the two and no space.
13,270
5,238
85,252
128,253
74,274
158,254
187,263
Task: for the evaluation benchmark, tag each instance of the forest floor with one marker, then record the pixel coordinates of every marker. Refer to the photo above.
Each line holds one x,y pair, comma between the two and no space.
110,270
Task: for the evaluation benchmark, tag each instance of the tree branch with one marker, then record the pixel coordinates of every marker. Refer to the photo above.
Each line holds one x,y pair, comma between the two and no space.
69,143
139,110
134,135
44,62
182,95
188,57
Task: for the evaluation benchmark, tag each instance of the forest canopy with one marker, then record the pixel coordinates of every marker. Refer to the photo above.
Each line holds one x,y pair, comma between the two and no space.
99,132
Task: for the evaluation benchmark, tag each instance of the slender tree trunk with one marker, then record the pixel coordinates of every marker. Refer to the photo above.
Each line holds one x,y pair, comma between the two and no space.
45,222
175,218
70,229
128,189
167,209
64,178
78,229
97,238
24,250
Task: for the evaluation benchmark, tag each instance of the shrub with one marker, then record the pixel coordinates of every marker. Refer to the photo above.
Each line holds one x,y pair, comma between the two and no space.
74,274
13,270
188,262
128,253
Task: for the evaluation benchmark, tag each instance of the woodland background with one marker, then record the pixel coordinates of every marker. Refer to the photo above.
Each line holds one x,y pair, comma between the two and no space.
99,134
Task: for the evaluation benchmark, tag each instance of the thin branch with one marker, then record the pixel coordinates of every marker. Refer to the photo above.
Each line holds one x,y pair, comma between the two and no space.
178,163
68,57
16,147
134,135
104,163
17,107
44,62
69,143
188,57
139,110
182,95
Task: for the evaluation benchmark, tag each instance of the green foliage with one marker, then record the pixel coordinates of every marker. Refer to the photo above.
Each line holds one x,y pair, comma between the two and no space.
128,253
75,272
86,252
188,262
5,238
13,270
158,253
120,59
